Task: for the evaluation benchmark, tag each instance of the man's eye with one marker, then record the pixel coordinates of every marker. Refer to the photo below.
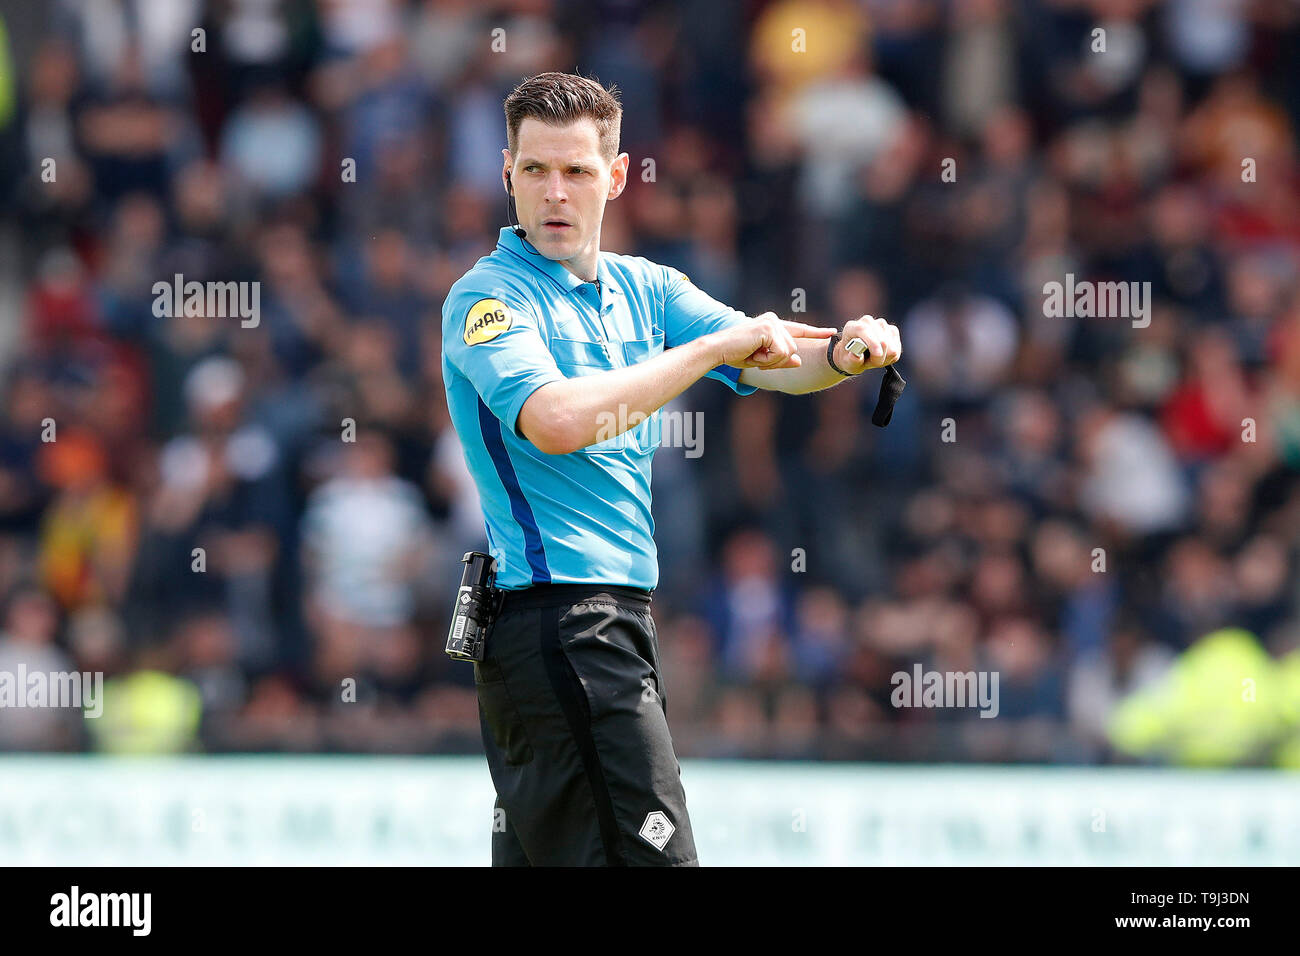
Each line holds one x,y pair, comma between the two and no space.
531,169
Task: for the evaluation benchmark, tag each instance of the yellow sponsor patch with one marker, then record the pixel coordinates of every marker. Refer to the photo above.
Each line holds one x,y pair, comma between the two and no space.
487,319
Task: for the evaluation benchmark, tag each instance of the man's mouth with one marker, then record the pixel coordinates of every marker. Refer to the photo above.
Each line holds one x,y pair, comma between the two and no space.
559,224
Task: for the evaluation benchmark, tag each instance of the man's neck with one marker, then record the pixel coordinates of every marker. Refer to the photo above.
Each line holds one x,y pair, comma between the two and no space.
584,265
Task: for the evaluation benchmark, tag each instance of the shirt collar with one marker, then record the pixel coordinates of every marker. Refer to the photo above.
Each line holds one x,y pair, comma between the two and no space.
561,276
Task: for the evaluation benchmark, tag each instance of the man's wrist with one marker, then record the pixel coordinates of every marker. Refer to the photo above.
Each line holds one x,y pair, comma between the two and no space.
838,365
710,351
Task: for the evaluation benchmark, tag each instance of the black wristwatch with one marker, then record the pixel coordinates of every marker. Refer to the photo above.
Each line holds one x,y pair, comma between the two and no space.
891,386
830,357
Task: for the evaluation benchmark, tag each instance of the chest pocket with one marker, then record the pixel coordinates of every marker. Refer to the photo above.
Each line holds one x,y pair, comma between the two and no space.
577,358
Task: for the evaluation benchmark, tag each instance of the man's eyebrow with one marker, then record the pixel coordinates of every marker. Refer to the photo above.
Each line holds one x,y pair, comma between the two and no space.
583,163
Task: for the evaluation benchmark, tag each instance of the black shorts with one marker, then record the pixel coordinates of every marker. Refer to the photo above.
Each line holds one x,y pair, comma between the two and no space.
574,718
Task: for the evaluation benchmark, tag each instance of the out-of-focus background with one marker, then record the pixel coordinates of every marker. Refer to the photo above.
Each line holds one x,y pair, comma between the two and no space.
1105,514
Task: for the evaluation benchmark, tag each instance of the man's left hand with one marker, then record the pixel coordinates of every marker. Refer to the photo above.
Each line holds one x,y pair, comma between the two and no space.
883,344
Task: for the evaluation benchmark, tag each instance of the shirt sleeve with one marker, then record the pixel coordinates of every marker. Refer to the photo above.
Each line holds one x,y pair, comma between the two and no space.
689,313
494,339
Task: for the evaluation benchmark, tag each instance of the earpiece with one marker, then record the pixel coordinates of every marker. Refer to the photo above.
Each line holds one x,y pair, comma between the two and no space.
510,198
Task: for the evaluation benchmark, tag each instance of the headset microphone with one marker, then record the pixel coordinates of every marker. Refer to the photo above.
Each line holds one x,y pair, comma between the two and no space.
510,205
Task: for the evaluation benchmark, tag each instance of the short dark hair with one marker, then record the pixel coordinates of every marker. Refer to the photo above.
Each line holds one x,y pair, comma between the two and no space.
560,99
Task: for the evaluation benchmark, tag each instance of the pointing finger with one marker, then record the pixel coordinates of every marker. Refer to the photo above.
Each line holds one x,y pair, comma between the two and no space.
800,330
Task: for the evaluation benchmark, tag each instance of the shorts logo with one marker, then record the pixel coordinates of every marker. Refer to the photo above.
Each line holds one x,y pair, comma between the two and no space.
657,829
487,319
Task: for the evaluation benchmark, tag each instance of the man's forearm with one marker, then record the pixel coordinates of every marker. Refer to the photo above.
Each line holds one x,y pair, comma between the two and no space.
812,375
561,417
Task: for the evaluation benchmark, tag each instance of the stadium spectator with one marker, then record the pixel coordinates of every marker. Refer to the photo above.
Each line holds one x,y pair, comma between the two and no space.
196,528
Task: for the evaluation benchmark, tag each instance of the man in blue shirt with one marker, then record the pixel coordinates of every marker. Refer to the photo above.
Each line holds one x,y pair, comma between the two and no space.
556,360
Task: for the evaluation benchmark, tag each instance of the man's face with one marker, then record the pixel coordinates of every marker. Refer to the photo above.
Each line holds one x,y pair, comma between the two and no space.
561,184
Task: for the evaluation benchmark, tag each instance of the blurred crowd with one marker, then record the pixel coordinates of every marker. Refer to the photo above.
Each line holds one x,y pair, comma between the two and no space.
253,531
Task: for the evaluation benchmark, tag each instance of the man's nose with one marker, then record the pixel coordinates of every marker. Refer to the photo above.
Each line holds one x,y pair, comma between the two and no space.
555,191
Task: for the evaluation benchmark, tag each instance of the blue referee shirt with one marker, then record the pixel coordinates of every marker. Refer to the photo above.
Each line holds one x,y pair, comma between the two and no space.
518,320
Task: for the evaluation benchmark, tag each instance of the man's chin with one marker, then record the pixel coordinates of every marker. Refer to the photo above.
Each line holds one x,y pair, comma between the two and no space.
553,247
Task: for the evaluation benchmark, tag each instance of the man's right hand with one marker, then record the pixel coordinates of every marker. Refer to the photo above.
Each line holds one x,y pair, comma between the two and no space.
765,342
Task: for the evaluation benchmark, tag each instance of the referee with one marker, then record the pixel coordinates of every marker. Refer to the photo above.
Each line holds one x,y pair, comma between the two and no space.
556,359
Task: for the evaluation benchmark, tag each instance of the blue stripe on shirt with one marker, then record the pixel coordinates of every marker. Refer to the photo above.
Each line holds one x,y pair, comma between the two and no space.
490,426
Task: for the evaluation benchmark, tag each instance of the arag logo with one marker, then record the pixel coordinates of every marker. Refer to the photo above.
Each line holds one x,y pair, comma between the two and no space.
487,319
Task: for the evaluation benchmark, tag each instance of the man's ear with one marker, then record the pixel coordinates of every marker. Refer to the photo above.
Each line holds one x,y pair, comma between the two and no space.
618,175
505,171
